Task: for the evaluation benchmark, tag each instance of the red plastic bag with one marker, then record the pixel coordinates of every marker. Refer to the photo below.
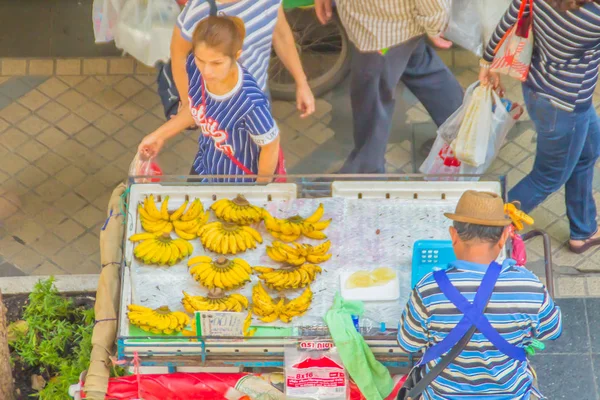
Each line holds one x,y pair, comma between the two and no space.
144,167
518,248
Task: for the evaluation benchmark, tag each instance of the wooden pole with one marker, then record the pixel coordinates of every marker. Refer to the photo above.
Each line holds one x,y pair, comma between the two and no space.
7,389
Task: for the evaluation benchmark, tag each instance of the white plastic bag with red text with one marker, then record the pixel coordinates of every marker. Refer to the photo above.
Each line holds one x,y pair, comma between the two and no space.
314,370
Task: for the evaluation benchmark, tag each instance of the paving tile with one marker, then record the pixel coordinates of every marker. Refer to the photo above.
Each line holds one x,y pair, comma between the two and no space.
542,218
53,87
90,164
7,209
414,115
465,59
570,286
33,81
51,189
41,67
51,163
109,149
86,267
109,99
11,67
90,136
124,161
3,125
110,80
142,69
68,67
29,232
71,202
72,124
129,137
129,111
52,112
50,217
300,124
31,204
95,66
9,247
587,267
90,111
5,101
556,204
9,270
319,133
52,137
592,306
68,230
148,123
27,260
146,99
87,244
90,87
466,77
72,150
121,66
559,230
3,177
574,338
32,150
89,216
128,87
15,88
398,157
513,177
68,259
14,113
31,176
593,285
513,154
109,124
32,125
14,187
101,201
72,80
283,109
12,163
34,100
71,176
13,138
71,99
89,190
562,376
47,269
302,146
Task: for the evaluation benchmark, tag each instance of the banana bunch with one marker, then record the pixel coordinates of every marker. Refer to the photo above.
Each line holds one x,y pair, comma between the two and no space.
288,277
189,222
220,273
215,301
161,320
269,309
290,229
228,238
238,211
160,248
299,253
154,220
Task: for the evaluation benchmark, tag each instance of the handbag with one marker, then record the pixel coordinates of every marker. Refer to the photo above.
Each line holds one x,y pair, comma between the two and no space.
417,381
512,55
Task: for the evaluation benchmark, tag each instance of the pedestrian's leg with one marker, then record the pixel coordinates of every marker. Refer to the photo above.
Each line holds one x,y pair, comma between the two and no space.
559,147
430,80
374,78
167,90
581,207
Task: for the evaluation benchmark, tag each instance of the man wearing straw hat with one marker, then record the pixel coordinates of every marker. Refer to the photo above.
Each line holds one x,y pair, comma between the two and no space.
490,314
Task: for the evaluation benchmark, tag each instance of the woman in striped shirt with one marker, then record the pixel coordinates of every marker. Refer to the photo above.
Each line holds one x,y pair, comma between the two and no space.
558,94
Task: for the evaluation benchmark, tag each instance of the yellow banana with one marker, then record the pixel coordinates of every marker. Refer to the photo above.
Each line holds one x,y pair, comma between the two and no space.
315,259
199,259
179,212
185,235
150,206
164,209
315,235
317,215
141,236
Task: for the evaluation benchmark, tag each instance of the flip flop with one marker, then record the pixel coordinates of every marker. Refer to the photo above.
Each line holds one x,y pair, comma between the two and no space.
584,247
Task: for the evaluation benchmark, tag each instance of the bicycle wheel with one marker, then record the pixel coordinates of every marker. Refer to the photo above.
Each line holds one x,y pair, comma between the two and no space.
324,53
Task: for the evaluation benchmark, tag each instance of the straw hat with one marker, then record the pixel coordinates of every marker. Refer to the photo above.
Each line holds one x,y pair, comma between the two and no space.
480,208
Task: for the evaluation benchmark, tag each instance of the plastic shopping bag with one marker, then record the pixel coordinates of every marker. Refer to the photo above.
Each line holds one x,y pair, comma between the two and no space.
464,28
145,27
441,160
144,167
105,14
512,56
449,129
490,14
471,143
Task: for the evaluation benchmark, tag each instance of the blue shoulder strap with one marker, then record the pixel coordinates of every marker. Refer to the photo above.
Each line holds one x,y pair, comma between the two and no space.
474,314
213,7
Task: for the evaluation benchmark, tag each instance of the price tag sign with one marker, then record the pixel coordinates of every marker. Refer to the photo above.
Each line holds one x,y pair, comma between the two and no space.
222,324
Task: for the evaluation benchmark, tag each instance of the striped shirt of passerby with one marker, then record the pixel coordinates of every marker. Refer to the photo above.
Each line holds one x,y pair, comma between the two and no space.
566,53
259,16
374,25
520,309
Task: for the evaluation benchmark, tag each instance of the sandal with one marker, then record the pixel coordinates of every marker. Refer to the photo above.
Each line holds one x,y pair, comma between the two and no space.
585,246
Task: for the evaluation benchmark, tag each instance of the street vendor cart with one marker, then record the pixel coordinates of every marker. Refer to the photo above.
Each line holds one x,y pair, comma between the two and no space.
392,222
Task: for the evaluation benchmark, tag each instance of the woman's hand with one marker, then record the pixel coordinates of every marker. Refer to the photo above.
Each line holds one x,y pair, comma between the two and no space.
305,100
487,77
440,42
150,146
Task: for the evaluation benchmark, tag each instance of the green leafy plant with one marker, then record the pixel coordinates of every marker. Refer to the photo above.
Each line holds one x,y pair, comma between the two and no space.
58,341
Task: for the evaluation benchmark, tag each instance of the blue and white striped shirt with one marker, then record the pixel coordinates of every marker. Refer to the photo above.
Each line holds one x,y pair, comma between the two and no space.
519,309
566,53
259,16
237,123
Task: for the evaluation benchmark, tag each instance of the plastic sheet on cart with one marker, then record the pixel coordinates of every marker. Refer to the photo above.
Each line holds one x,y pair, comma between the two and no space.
365,234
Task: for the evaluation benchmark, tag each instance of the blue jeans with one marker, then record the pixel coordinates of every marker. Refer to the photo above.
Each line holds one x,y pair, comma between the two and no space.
568,145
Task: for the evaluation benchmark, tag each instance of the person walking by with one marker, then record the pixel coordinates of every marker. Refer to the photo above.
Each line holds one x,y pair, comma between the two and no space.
267,28
389,46
238,134
445,305
558,94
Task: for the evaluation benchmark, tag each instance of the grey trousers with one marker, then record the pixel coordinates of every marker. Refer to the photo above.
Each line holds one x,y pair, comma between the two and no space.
374,78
